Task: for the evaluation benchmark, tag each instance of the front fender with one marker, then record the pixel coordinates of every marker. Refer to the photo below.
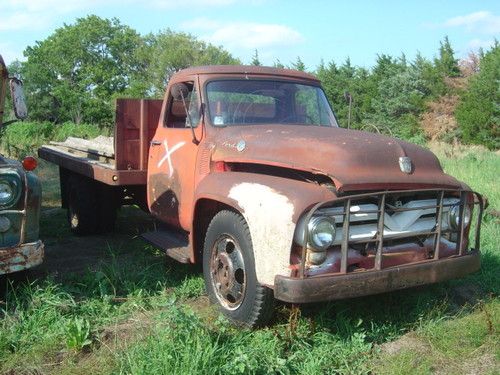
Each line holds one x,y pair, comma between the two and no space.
271,207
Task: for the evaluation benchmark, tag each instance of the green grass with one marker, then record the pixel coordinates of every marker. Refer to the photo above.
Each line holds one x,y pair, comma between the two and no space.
132,312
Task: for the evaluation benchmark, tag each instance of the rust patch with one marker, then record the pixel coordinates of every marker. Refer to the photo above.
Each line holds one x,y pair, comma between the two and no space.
20,258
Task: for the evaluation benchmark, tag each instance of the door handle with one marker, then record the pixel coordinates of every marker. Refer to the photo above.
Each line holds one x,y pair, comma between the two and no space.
155,143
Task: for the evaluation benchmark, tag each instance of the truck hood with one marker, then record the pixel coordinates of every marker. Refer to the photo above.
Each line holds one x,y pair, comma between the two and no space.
8,163
354,160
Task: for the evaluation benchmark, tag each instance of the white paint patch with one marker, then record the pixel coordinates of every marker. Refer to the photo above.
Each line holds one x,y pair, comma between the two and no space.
168,154
269,216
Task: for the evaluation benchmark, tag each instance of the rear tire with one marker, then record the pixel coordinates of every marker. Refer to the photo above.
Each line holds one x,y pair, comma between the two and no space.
109,201
92,206
82,205
229,272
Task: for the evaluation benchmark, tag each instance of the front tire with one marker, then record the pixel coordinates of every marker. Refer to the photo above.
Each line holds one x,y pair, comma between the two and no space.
229,272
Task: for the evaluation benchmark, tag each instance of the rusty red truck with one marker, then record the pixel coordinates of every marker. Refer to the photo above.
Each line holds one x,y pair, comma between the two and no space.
251,176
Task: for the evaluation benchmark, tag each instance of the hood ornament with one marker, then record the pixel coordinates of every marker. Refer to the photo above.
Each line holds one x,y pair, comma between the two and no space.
405,164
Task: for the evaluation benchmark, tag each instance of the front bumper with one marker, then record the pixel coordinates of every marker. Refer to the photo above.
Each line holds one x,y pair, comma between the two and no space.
334,287
21,257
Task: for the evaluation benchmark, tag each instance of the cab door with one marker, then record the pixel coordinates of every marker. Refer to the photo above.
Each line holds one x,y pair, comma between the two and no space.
172,158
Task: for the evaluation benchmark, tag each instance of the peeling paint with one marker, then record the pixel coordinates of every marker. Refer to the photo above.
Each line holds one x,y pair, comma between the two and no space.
269,216
21,257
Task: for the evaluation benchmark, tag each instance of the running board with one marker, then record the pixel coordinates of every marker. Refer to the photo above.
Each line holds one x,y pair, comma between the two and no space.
175,245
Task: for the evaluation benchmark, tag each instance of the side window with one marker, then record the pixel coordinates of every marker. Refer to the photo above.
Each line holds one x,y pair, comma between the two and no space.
177,117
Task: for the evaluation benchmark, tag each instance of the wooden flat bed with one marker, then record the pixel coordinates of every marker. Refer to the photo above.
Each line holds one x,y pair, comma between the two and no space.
117,161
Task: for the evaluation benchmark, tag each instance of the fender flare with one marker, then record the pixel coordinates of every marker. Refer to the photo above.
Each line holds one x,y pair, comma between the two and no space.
271,207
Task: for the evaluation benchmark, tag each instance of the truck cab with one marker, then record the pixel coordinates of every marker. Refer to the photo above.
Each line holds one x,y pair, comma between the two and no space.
20,195
250,175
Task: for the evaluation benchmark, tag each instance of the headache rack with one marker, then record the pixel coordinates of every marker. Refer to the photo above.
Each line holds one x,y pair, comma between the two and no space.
465,197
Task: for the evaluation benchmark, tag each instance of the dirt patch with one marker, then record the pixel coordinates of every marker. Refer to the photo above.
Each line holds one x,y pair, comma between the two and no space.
409,342
202,306
478,362
66,253
119,334
482,364
101,357
466,294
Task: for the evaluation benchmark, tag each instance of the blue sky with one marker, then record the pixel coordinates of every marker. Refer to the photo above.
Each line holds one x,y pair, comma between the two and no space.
278,29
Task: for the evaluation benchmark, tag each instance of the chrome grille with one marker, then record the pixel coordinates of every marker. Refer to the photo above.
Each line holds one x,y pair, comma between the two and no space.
373,219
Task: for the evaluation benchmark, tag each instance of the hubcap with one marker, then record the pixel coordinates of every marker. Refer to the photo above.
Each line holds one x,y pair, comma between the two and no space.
227,272
74,220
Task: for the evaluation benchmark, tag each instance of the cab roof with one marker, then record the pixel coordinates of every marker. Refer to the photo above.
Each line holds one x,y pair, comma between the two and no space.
246,69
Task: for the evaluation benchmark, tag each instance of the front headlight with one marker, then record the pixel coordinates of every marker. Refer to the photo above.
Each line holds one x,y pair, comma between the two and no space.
6,192
454,216
321,232
10,189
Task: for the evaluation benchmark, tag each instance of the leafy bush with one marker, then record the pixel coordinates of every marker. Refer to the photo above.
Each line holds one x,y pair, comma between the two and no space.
22,138
478,113
390,97
78,334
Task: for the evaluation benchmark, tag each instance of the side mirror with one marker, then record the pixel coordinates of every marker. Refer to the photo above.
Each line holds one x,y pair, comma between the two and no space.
18,100
179,91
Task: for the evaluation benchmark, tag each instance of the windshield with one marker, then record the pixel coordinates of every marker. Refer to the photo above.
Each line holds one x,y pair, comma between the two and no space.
260,102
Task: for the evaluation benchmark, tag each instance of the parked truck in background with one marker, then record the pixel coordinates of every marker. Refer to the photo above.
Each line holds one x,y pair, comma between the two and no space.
251,176
20,195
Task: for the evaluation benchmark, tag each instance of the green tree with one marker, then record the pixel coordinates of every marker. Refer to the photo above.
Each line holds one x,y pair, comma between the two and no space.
165,53
279,64
478,113
73,74
336,80
446,62
255,59
432,78
299,65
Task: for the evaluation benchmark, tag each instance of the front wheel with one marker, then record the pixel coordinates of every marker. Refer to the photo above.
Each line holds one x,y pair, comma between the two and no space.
229,272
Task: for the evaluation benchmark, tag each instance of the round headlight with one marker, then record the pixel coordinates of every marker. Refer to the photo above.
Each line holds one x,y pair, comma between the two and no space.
6,192
454,216
321,232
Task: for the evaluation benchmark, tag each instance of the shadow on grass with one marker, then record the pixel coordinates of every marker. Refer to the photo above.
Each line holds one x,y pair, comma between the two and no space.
384,317
114,265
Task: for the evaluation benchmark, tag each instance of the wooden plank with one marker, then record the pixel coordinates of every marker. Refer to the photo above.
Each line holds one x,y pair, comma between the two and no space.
101,145
136,122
